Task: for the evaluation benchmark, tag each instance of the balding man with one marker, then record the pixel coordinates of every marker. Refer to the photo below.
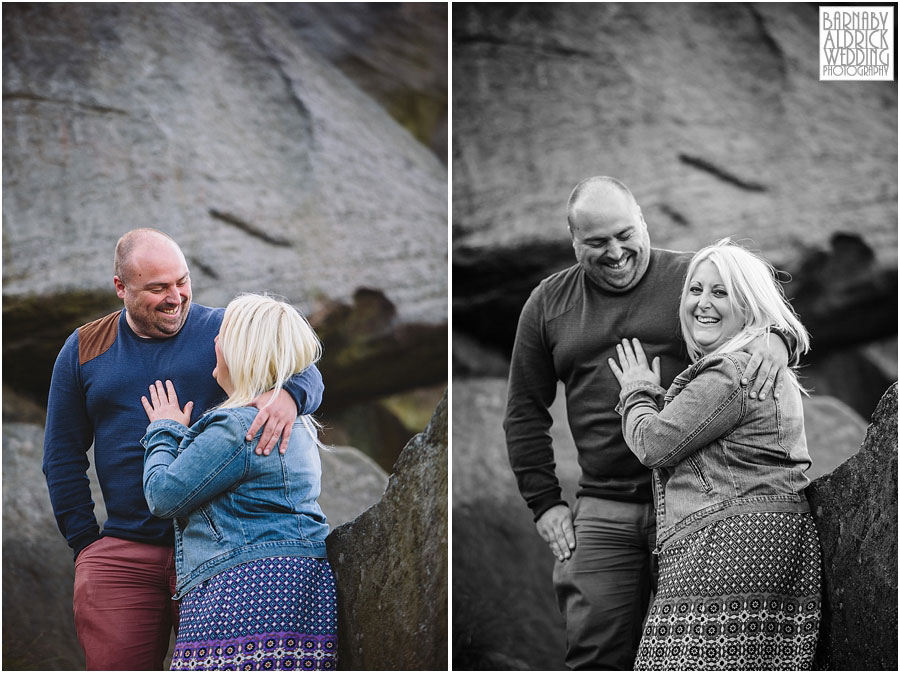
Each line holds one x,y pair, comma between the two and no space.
125,576
569,327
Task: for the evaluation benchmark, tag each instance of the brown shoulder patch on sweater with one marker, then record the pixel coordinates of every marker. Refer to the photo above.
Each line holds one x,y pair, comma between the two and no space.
96,337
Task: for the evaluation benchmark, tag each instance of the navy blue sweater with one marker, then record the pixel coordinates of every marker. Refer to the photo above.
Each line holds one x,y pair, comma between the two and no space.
95,396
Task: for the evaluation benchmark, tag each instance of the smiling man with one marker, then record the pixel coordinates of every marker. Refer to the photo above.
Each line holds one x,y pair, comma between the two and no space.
569,327
125,576
157,294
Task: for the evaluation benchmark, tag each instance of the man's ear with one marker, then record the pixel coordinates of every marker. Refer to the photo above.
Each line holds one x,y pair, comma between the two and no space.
120,287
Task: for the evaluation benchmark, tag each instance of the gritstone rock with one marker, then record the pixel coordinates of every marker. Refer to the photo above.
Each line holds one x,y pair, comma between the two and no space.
390,565
38,627
856,515
502,591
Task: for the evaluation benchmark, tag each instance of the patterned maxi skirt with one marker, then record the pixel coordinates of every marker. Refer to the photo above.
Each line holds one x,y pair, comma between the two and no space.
274,614
740,594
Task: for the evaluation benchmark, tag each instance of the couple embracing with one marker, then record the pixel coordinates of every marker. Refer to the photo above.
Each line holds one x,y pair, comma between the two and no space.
678,363
200,507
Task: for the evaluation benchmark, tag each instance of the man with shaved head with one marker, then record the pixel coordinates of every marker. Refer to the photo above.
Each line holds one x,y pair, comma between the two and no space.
125,576
569,328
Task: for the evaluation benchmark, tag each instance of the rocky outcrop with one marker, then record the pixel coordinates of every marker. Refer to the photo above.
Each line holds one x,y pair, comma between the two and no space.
390,565
38,627
856,515
713,114
272,169
372,353
396,52
504,608
502,590
834,432
38,631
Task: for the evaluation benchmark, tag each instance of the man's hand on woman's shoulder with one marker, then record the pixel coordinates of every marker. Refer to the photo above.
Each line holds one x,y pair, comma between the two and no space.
276,420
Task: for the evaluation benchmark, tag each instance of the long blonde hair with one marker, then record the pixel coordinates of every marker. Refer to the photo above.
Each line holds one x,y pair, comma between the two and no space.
757,297
265,342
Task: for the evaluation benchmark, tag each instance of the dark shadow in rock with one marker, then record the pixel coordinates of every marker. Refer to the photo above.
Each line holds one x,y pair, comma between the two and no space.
491,286
35,328
842,296
369,354
372,429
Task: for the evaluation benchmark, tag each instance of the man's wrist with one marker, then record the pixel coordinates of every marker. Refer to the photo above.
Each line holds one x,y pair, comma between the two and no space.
544,505
789,342
84,541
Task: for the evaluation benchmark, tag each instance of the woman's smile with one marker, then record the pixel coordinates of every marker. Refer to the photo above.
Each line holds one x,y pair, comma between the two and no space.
714,317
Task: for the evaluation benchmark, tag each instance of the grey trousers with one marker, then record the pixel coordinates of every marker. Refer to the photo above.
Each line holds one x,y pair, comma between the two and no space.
604,588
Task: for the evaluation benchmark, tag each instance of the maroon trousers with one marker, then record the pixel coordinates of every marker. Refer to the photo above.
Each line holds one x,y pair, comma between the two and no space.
124,612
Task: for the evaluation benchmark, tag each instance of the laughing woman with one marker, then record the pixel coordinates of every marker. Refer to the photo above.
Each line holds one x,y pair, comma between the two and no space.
256,589
739,559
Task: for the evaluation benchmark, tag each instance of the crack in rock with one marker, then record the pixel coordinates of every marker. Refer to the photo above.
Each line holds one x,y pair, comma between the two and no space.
721,173
246,227
28,96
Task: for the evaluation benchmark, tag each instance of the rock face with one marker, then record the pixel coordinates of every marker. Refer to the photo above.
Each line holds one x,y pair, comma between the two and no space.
351,483
38,628
712,114
856,514
390,565
502,590
396,52
833,433
273,170
504,607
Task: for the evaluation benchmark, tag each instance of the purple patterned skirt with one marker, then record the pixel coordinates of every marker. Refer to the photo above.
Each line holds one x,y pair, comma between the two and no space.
274,614
740,594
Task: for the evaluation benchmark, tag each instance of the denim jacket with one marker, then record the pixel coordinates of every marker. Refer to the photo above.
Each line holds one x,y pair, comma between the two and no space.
230,505
715,452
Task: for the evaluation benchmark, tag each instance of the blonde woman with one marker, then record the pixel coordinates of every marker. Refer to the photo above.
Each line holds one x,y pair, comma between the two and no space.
255,585
739,559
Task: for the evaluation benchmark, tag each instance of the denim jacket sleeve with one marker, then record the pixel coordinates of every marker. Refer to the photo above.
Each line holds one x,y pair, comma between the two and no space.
709,405
176,483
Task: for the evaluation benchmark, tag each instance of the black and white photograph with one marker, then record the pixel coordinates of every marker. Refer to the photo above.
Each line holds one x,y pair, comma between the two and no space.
651,204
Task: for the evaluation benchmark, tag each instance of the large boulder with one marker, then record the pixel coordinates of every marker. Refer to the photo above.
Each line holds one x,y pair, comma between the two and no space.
502,570
395,51
38,627
856,515
834,432
390,565
273,170
713,114
504,607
